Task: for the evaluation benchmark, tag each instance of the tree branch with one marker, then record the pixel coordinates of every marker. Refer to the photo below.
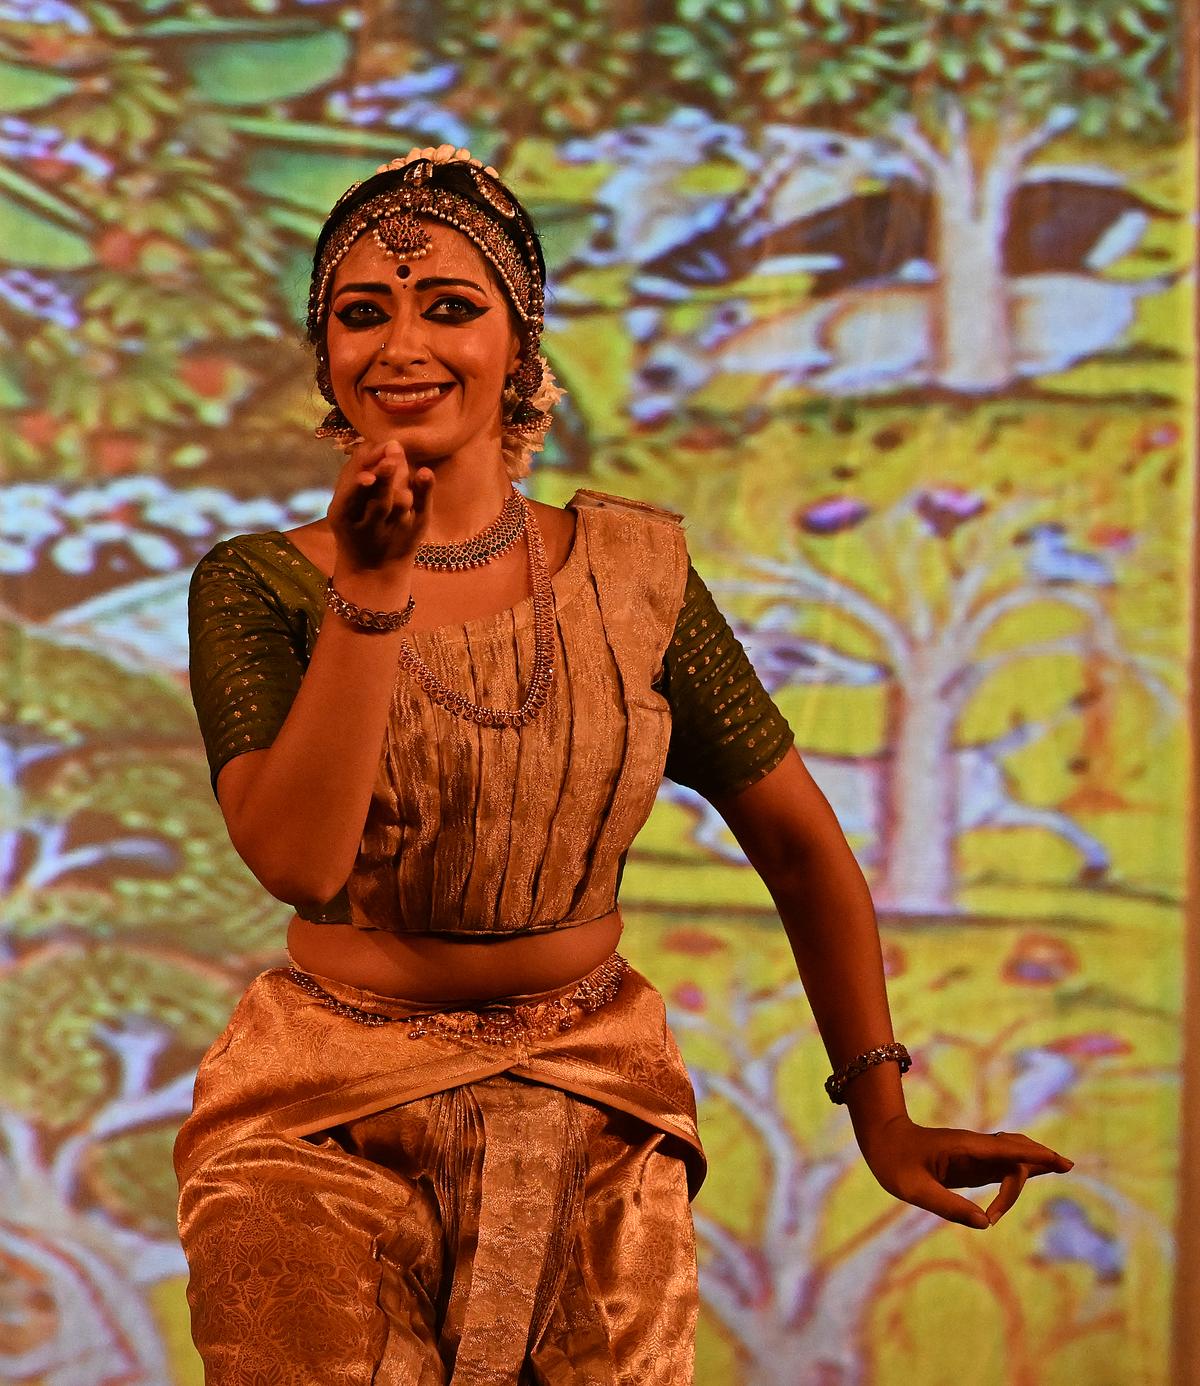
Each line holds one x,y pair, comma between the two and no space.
733,1260
907,133
820,587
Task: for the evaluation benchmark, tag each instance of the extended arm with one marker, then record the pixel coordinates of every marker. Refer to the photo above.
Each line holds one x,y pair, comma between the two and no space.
791,837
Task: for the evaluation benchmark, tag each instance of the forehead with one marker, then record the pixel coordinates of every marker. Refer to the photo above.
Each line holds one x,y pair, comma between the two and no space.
450,256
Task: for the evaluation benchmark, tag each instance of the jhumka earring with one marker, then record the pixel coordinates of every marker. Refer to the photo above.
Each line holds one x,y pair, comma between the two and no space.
526,382
335,425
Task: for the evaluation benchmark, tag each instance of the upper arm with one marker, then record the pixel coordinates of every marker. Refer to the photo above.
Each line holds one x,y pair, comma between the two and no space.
726,732
782,821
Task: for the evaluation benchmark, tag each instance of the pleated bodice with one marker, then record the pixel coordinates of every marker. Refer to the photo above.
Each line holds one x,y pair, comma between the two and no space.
484,830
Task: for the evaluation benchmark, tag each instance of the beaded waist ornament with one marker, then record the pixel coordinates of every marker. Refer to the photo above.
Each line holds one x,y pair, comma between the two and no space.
492,1023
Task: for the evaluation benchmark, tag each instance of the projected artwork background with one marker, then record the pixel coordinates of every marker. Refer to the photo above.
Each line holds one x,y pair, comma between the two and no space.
891,299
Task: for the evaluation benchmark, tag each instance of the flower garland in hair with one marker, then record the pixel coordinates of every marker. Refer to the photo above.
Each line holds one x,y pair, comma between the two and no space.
439,154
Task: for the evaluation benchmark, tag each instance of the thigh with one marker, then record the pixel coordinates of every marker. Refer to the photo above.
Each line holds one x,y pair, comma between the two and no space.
629,1304
311,1264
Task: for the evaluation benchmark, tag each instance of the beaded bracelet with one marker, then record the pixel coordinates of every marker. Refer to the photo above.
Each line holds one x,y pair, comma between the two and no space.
836,1082
362,617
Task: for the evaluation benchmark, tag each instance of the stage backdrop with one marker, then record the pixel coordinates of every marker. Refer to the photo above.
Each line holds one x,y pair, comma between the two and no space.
891,298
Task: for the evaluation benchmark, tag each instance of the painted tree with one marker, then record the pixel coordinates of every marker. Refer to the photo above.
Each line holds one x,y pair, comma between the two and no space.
162,176
94,1090
949,577
970,89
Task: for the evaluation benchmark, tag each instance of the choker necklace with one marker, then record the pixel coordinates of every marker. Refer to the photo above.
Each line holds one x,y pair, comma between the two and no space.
489,543
542,672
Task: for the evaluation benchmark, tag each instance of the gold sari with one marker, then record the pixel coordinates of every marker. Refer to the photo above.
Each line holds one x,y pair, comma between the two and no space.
402,1205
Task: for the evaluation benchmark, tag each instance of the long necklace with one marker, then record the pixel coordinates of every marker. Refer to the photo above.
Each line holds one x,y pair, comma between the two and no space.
543,648
481,548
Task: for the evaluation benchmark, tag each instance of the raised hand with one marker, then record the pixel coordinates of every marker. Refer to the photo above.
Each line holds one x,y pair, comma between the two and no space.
380,508
921,1164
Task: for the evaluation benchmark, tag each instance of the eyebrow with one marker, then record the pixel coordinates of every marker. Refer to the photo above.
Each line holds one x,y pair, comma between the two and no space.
431,283
441,283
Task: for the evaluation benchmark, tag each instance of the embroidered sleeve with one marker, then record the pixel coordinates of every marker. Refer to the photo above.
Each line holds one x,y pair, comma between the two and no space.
245,665
726,732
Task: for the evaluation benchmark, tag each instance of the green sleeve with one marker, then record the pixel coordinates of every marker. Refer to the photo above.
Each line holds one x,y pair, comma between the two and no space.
249,649
726,733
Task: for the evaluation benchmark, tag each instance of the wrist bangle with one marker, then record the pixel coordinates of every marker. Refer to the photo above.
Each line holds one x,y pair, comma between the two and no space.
836,1082
362,617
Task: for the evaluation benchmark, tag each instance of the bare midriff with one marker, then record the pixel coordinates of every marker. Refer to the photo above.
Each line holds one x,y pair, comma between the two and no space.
434,967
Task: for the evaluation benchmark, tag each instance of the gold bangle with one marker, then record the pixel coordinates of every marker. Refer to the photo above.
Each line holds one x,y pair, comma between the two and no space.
362,617
836,1082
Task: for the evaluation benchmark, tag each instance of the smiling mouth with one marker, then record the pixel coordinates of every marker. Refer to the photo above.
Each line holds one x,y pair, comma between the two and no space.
404,398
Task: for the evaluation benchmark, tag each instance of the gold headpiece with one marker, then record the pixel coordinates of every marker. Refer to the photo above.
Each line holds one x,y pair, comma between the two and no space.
393,218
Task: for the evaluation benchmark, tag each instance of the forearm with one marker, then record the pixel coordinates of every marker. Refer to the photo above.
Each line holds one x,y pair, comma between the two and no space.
299,821
827,914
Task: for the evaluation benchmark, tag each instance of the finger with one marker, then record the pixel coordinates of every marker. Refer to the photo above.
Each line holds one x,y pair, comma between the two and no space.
421,483
1010,1189
1014,1145
951,1206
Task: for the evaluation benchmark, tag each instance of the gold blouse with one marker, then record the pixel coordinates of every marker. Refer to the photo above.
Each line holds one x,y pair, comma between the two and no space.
480,830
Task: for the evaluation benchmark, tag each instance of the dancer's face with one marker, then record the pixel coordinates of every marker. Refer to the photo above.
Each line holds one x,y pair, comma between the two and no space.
420,350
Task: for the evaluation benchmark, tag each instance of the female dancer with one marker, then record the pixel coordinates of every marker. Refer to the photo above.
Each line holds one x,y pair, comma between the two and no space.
455,1140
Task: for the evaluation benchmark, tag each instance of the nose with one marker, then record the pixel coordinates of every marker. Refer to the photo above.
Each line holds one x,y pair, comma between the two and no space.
404,341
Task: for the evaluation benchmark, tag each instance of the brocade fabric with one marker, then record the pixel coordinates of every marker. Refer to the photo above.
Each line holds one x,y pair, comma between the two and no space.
358,1206
482,831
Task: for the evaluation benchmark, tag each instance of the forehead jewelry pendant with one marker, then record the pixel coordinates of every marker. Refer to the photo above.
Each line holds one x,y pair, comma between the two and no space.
400,234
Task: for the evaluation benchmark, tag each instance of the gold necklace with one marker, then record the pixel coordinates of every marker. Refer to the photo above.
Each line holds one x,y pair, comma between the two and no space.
496,538
543,649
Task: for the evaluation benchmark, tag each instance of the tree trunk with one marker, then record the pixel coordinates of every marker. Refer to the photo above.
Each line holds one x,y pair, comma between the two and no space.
972,317
920,803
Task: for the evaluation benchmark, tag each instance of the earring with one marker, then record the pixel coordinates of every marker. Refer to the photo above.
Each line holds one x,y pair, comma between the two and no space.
335,425
525,382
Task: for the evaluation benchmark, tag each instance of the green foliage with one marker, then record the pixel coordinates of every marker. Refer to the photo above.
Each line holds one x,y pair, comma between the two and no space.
53,1065
34,242
263,70
25,89
529,68
69,694
132,1177
579,65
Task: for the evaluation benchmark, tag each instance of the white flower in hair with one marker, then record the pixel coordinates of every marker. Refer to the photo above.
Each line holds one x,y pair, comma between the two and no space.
441,154
517,446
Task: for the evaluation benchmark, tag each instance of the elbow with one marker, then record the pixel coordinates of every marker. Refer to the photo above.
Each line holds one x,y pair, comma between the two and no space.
307,888
306,897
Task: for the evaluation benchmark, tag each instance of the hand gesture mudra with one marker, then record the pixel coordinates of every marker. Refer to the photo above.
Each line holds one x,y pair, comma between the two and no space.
922,1164
380,507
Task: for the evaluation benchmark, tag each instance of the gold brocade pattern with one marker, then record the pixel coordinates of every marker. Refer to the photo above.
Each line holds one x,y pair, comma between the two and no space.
496,830
360,1208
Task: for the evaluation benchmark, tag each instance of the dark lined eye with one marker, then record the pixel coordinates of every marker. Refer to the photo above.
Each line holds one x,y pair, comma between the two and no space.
454,308
362,312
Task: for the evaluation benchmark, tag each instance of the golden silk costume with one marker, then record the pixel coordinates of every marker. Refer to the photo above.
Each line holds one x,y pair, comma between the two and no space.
499,1195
